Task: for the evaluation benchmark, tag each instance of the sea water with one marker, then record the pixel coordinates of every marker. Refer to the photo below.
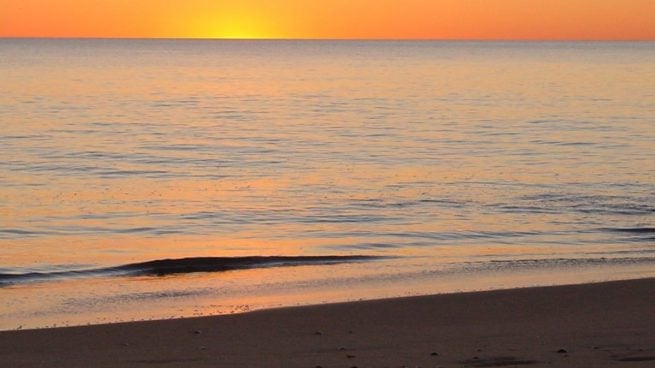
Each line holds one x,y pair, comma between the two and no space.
171,178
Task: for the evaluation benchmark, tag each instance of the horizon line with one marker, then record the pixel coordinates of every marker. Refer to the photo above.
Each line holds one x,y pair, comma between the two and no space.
323,39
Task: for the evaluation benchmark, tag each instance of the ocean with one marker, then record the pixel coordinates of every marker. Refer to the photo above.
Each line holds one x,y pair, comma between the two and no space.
151,179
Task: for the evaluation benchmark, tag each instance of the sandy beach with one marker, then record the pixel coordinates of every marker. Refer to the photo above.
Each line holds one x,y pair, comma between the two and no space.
592,325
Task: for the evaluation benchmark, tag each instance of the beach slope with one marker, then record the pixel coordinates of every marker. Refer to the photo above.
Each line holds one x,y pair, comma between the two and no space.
608,324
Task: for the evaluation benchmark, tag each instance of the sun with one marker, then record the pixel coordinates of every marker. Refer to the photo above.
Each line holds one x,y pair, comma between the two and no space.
240,26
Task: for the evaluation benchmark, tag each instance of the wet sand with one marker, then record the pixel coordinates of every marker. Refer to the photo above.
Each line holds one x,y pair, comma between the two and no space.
593,325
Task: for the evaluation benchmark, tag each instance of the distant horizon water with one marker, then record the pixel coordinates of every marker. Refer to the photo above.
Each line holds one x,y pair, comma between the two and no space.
158,178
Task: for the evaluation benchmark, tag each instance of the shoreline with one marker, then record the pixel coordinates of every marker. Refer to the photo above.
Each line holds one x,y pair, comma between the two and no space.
594,324
102,300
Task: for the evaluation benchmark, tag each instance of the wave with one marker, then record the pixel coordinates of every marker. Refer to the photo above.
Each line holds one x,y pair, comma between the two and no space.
635,234
164,267
633,230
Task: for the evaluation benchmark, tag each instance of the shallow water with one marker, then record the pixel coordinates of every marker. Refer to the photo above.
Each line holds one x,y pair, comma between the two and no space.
463,165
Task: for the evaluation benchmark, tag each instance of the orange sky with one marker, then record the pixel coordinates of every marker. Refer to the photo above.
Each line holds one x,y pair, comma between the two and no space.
413,19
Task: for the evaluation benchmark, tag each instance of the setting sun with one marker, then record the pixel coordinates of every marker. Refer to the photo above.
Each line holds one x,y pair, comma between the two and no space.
230,23
238,28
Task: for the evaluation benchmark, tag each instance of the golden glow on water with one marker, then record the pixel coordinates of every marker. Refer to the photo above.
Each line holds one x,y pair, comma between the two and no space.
454,158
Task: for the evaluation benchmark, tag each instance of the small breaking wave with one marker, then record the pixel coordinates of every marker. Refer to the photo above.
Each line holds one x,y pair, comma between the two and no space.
634,234
633,230
164,267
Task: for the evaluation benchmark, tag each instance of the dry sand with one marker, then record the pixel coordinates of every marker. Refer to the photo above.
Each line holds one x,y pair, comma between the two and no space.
595,325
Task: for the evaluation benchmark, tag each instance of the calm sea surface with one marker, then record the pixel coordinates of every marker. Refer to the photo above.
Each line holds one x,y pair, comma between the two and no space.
449,165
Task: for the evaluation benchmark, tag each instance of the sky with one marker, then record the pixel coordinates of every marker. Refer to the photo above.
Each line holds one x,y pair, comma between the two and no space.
332,19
